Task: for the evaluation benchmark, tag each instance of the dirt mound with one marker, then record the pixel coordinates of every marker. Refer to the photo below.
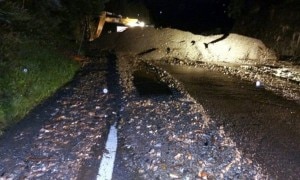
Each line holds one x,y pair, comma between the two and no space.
151,43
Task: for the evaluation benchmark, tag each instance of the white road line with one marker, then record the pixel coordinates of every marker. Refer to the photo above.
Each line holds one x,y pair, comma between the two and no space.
108,159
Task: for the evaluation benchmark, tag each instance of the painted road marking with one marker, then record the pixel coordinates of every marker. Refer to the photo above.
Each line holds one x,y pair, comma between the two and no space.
108,159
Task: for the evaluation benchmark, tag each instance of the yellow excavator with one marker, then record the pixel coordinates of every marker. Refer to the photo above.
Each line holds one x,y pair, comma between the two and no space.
112,18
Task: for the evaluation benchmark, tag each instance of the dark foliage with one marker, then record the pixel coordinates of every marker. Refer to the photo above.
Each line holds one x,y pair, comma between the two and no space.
49,18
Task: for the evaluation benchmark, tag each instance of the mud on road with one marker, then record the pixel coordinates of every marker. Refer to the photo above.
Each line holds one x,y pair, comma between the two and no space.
163,132
168,135
264,125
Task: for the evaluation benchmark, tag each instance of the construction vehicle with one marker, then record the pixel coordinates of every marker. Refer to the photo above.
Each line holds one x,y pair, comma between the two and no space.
113,18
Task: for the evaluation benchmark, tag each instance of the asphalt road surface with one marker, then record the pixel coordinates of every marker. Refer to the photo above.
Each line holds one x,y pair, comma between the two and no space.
198,129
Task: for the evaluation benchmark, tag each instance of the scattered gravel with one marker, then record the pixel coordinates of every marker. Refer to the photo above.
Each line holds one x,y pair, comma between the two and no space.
167,136
279,77
68,134
172,137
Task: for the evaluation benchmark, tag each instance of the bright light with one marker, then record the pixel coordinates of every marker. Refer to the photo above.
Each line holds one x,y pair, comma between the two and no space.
105,90
121,28
142,24
132,22
136,24
257,83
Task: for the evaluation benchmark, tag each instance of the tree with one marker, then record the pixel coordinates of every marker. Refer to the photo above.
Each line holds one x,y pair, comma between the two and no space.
54,17
79,14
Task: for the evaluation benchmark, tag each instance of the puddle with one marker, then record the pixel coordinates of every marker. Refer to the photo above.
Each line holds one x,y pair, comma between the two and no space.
264,126
148,83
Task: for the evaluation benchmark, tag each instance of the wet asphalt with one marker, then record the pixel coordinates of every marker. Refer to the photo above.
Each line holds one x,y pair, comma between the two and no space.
64,137
165,134
264,125
163,131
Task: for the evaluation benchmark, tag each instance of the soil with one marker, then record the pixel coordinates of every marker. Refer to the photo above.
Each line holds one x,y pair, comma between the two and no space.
237,55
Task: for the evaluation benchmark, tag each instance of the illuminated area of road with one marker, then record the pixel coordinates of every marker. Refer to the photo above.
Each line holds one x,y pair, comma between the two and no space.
108,159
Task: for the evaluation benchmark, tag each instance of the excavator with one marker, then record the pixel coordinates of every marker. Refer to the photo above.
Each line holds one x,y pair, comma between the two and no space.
113,18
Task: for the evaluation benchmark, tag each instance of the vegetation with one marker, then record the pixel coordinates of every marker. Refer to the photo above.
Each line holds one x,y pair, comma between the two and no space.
31,77
34,36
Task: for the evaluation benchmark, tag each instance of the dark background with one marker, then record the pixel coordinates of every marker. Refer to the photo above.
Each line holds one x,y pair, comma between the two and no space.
197,16
275,22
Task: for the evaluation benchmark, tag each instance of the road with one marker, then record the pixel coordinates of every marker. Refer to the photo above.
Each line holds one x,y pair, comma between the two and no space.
165,132
265,126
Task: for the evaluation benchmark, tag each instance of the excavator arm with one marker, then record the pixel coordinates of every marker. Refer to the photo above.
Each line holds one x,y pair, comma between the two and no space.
112,18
